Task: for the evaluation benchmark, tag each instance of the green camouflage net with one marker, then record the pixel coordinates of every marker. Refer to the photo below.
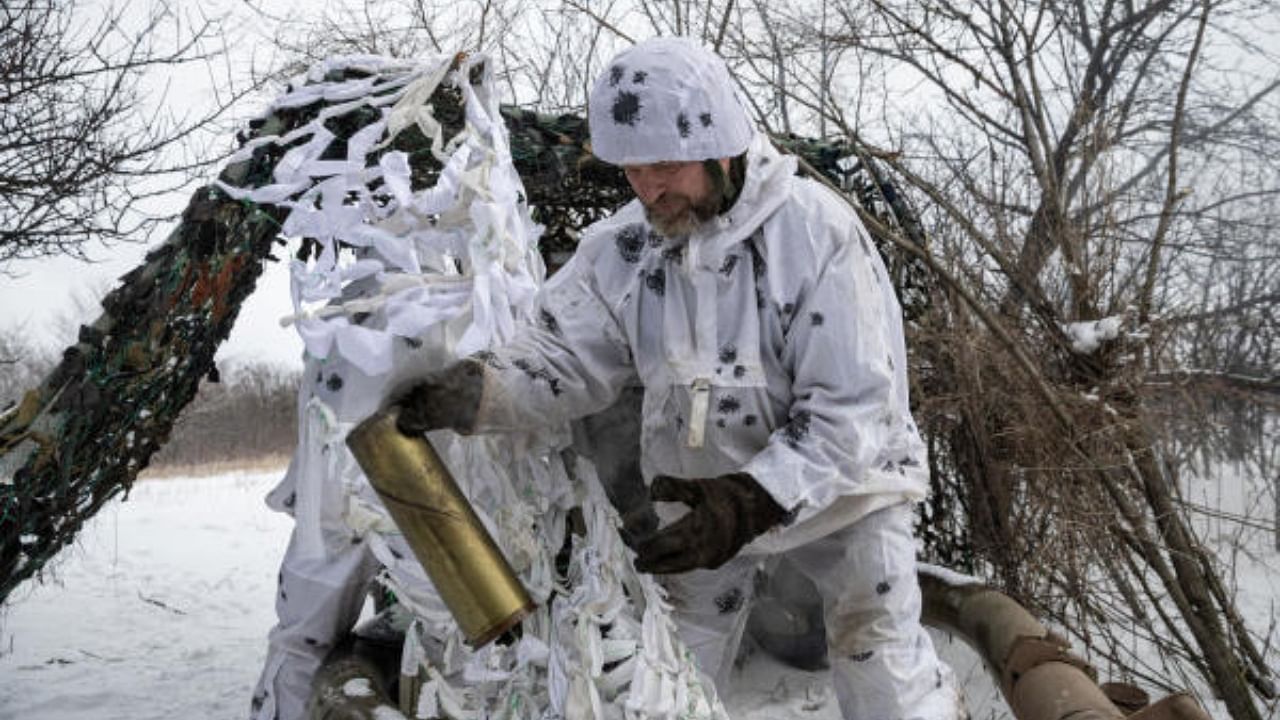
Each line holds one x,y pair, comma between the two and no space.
82,436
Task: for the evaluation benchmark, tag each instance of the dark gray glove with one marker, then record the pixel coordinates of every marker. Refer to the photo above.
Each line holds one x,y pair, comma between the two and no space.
448,398
725,513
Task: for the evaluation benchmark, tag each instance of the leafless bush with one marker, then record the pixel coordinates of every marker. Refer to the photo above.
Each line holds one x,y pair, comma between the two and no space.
250,414
1093,180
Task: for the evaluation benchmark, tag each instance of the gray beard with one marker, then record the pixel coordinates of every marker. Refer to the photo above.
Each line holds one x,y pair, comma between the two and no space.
685,223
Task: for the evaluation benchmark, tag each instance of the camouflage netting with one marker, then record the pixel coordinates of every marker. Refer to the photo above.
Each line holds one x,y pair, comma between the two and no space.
82,436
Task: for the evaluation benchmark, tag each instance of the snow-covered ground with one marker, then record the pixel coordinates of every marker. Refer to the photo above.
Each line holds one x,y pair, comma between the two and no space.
162,608
159,611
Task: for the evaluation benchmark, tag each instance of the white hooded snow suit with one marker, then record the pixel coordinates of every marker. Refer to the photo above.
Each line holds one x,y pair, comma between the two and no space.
770,341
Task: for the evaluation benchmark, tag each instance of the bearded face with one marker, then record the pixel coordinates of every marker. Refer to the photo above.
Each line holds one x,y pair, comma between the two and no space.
677,196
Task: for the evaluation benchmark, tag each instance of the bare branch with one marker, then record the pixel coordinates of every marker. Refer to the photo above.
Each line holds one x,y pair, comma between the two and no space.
599,20
1172,194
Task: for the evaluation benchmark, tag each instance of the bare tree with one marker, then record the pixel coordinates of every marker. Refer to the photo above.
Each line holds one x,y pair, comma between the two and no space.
1099,185
80,150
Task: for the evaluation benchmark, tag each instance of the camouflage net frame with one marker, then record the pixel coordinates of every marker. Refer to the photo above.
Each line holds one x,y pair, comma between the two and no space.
81,437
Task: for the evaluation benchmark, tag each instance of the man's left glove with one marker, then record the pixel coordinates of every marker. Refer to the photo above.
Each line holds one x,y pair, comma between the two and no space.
448,398
725,513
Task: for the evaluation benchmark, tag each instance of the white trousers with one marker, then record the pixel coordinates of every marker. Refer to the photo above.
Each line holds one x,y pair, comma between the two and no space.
317,602
883,665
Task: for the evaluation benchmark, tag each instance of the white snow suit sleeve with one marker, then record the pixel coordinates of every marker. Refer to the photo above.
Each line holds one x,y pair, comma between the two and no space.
572,362
848,430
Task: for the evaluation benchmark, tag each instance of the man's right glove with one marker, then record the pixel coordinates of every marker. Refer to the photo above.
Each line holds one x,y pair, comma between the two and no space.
448,398
725,513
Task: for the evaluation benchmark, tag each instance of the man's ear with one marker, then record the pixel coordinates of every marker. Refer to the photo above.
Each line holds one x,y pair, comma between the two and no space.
722,181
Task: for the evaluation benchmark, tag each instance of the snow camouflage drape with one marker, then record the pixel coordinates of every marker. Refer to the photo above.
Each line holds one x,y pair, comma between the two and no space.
439,271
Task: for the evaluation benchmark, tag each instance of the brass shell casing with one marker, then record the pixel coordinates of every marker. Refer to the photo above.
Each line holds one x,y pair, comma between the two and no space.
468,570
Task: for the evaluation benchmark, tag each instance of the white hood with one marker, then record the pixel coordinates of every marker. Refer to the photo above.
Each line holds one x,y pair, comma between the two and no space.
666,99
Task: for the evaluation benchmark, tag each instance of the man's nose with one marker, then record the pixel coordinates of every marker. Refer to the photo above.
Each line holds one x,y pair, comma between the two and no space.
647,185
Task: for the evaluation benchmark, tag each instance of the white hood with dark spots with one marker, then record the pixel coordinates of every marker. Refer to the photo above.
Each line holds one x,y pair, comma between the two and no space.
666,99
769,342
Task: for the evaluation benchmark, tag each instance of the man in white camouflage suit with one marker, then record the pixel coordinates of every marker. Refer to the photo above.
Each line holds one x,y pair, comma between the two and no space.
753,309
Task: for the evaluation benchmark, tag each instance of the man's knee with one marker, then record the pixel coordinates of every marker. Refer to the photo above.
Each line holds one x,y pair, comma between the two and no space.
882,609
858,630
